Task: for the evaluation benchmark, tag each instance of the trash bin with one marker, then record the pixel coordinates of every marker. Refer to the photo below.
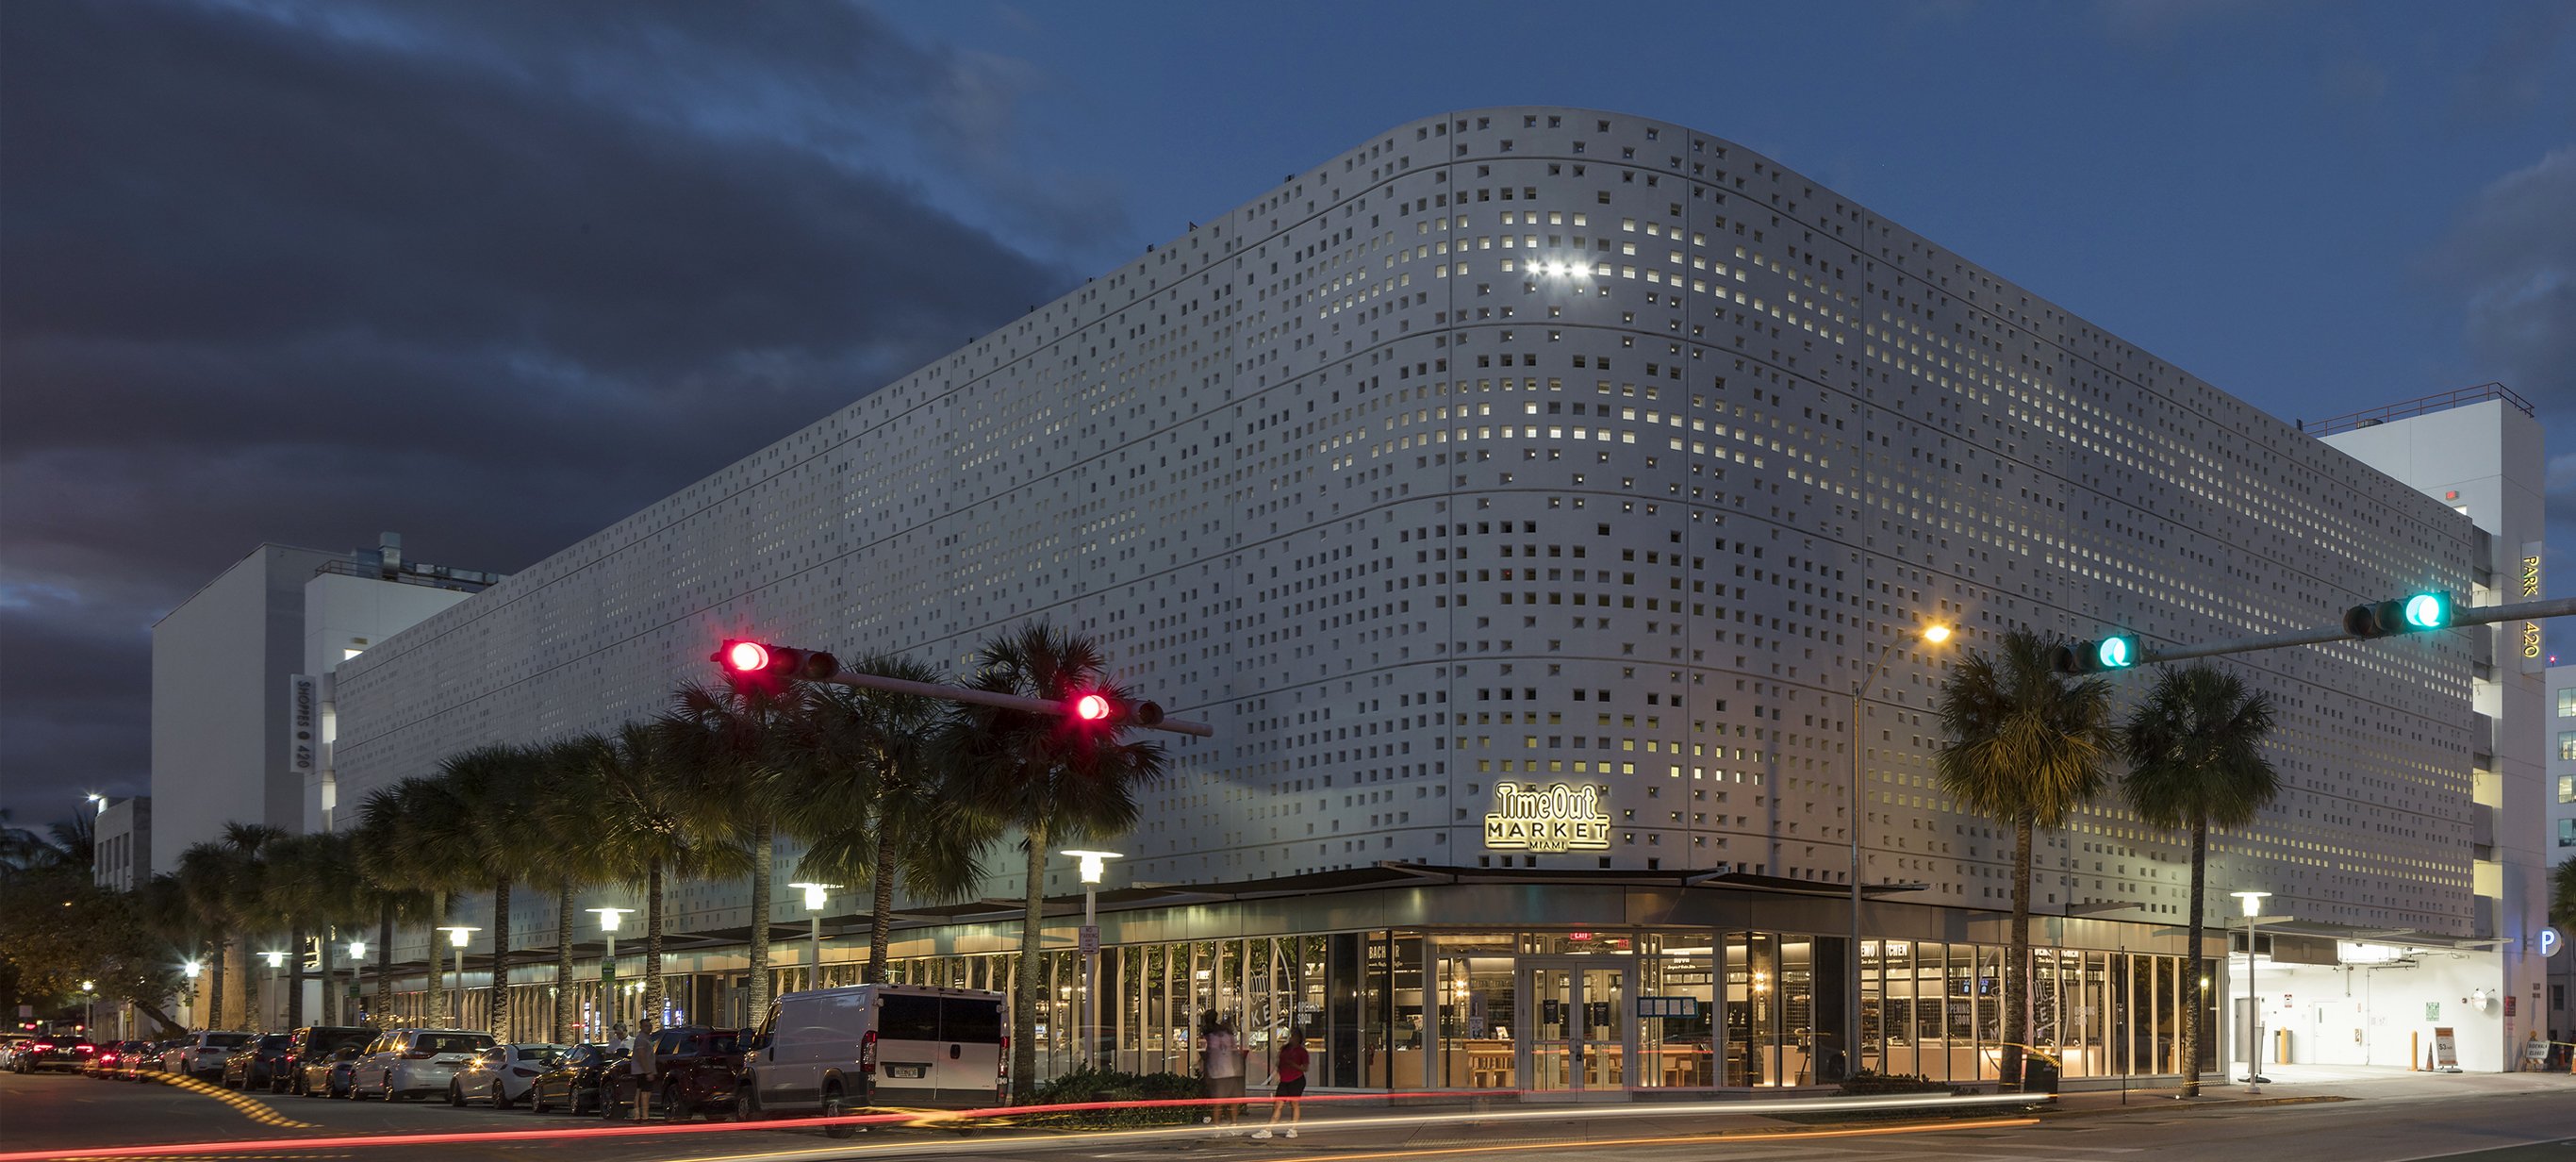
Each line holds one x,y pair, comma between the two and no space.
2038,1075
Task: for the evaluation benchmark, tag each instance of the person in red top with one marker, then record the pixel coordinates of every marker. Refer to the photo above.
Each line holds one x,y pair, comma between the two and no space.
1291,1071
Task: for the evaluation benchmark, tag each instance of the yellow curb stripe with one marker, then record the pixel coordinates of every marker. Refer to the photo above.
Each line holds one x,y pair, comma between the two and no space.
249,1107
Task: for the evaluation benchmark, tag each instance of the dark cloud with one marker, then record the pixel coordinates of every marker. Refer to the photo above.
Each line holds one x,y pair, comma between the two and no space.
2511,259
494,275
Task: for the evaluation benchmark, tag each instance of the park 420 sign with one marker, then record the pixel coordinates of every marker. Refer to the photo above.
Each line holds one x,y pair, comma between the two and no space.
1553,817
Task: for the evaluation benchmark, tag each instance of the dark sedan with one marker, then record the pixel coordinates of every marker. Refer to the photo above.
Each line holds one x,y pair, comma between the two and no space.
111,1057
259,1064
572,1081
694,1068
55,1055
142,1066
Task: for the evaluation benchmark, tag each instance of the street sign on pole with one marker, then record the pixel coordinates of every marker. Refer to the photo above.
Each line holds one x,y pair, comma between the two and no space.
1090,940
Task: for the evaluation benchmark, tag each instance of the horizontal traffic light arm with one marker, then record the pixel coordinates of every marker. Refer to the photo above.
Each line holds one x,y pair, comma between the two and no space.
2460,615
995,698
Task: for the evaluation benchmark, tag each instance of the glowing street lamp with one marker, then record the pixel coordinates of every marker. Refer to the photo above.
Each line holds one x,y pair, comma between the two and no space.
1933,634
457,937
816,897
608,918
1094,865
2252,903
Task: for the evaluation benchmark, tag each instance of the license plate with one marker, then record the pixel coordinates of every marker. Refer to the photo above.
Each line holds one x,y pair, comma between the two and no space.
908,1072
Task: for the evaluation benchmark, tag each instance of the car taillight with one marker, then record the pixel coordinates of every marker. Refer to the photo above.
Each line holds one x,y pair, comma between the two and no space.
41,1047
868,1051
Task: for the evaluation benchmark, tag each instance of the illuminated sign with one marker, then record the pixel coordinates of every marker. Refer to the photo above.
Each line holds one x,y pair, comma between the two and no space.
1555,817
2551,942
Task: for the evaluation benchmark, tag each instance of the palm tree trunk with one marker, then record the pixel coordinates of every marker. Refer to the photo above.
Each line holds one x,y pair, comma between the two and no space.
329,1014
563,963
501,1029
295,978
652,947
384,966
2191,1003
764,854
881,906
2017,973
434,1000
214,1018
1024,1001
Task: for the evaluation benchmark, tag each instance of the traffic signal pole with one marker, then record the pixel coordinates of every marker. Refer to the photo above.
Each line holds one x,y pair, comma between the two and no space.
994,698
2474,615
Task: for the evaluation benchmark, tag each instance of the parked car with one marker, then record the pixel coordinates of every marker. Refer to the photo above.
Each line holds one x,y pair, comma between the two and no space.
695,1069
109,1060
571,1082
832,1051
259,1063
341,1071
55,1055
11,1044
140,1067
317,1052
201,1055
502,1074
406,1063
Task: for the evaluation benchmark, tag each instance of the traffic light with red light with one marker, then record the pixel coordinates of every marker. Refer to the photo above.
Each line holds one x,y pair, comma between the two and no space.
2414,614
750,659
1100,710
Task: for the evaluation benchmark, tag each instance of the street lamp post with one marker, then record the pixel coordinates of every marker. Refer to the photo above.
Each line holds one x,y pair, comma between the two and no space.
276,960
1094,863
816,897
1934,634
457,935
357,973
608,962
190,969
2252,902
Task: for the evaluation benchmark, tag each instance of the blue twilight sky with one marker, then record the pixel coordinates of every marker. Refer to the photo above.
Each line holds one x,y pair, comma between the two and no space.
497,274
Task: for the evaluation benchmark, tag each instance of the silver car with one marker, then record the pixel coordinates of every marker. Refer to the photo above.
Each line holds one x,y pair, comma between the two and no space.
202,1055
501,1074
408,1063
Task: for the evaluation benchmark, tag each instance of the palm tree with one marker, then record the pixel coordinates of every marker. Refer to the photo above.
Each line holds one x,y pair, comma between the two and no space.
219,878
1046,775
493,789
2562,893
866,787
2025,747
651,820
2195,748
384,877
735,732
565,863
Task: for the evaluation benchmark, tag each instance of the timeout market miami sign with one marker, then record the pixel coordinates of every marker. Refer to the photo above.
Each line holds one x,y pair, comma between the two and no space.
1544,818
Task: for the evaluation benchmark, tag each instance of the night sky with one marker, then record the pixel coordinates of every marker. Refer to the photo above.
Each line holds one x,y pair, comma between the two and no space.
495,275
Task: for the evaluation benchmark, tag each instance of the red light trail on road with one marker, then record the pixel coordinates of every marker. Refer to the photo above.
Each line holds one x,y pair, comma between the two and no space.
906,1118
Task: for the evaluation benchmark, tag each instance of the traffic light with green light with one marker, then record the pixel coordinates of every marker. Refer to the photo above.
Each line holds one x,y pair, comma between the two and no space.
2413,614
2117,652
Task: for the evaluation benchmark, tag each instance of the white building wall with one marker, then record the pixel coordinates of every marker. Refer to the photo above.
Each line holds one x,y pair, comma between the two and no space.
343,616
2486,461
220,664
1538,445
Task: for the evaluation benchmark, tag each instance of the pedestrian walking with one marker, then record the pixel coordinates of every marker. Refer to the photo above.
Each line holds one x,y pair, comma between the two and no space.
1221,1068
1290,1068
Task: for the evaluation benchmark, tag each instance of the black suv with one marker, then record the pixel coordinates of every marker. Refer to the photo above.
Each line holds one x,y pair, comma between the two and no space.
261,1064
309,1059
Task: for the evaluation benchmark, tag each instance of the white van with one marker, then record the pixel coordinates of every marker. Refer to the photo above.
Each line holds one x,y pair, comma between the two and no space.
837,1051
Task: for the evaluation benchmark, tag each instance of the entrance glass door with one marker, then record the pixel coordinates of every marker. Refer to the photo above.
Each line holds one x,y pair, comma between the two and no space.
1582,1028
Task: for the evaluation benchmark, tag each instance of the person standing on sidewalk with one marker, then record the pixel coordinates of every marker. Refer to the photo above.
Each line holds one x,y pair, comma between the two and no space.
1222,1068
1290,1069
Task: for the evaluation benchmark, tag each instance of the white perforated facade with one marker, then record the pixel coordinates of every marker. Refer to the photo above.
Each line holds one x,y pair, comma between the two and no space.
1540,446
